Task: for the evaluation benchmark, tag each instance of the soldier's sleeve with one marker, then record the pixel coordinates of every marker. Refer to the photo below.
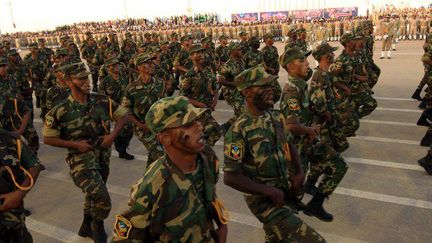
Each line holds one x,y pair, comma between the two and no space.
290,104
52,125
234,148
277,90
117,111
133,224
185,85
317,94
336,67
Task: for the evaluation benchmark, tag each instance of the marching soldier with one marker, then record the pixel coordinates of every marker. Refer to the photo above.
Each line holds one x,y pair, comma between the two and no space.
159,210
270,55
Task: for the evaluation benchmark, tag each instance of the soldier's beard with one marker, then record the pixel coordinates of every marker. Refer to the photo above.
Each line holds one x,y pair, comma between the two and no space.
263,99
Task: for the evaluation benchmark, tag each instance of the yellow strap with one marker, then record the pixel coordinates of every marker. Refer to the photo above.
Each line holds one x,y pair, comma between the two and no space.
110,108
287,151
22,188
16,109
221,212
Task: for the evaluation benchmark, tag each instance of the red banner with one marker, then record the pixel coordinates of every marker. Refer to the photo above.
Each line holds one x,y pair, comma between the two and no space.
245,17
336,13
279,15
307,14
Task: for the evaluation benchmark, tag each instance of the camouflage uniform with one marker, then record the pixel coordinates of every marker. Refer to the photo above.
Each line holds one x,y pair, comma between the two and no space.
200,85
229,70
323,159
115,90
37,69
222,54
270,57
343,70
56,95
12,222
257,147
8,85
138,97
167,205
253,57
73,121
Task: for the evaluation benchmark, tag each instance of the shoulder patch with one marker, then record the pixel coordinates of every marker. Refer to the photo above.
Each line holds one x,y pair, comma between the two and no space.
122,227
49,120
233,151
293,104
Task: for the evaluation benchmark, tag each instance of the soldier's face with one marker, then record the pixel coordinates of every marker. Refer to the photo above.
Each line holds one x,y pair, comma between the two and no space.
299,67
263,97
269,41
147,67
224,41
81,85
188,139
243,38
114,68
197,58
3,70
303,36
329,57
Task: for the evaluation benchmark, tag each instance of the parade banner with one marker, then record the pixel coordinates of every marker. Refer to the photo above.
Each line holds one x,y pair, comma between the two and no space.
278,15
307,14
336,13
245,17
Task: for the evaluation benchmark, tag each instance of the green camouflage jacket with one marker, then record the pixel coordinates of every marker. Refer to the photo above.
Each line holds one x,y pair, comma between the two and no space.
56,95
114,88
73,121
321,93
199,85
139,96
343,69
270,57
229,70
252,58
222,54
169,206
183,59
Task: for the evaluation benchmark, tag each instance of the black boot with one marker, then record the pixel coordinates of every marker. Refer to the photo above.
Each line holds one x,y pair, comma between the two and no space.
416,94
315,208
99,234
423,104
426,163
85,230
123,154
426,140
310,187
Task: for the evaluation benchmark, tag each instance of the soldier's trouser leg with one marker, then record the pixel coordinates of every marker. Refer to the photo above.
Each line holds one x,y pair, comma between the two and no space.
364,103
333,168
97,199
237,103
212,130
290,228
95,78
16,235
32,138
347,118
121,143
104,155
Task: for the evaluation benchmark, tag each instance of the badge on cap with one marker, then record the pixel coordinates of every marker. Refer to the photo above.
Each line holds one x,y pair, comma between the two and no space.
293,105
49,120
234,151
122,227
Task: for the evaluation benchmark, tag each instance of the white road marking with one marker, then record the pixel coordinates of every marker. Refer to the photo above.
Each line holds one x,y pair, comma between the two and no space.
389,123
398,110
386,140
394,99
53,232
388,164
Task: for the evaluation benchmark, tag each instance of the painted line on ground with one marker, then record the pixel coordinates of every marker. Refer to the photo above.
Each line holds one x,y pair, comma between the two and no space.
394,98
386,140
53,232
406,124
387,164
378,109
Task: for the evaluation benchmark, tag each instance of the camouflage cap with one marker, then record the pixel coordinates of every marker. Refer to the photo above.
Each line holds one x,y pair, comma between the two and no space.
6,42
3,61
349,37
13,52
64,37
41,40
234,46
255,76
88,33
186,37
323,49
112,61
291,54
61,52
33,45
143,57
242,33
155,34
301,30
223,37
109,50
322,20
103,41
164,42
205,40
153,50
128,34
77,70
268,36
292,30
147,35
253,40
196,48
174,34
171,112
